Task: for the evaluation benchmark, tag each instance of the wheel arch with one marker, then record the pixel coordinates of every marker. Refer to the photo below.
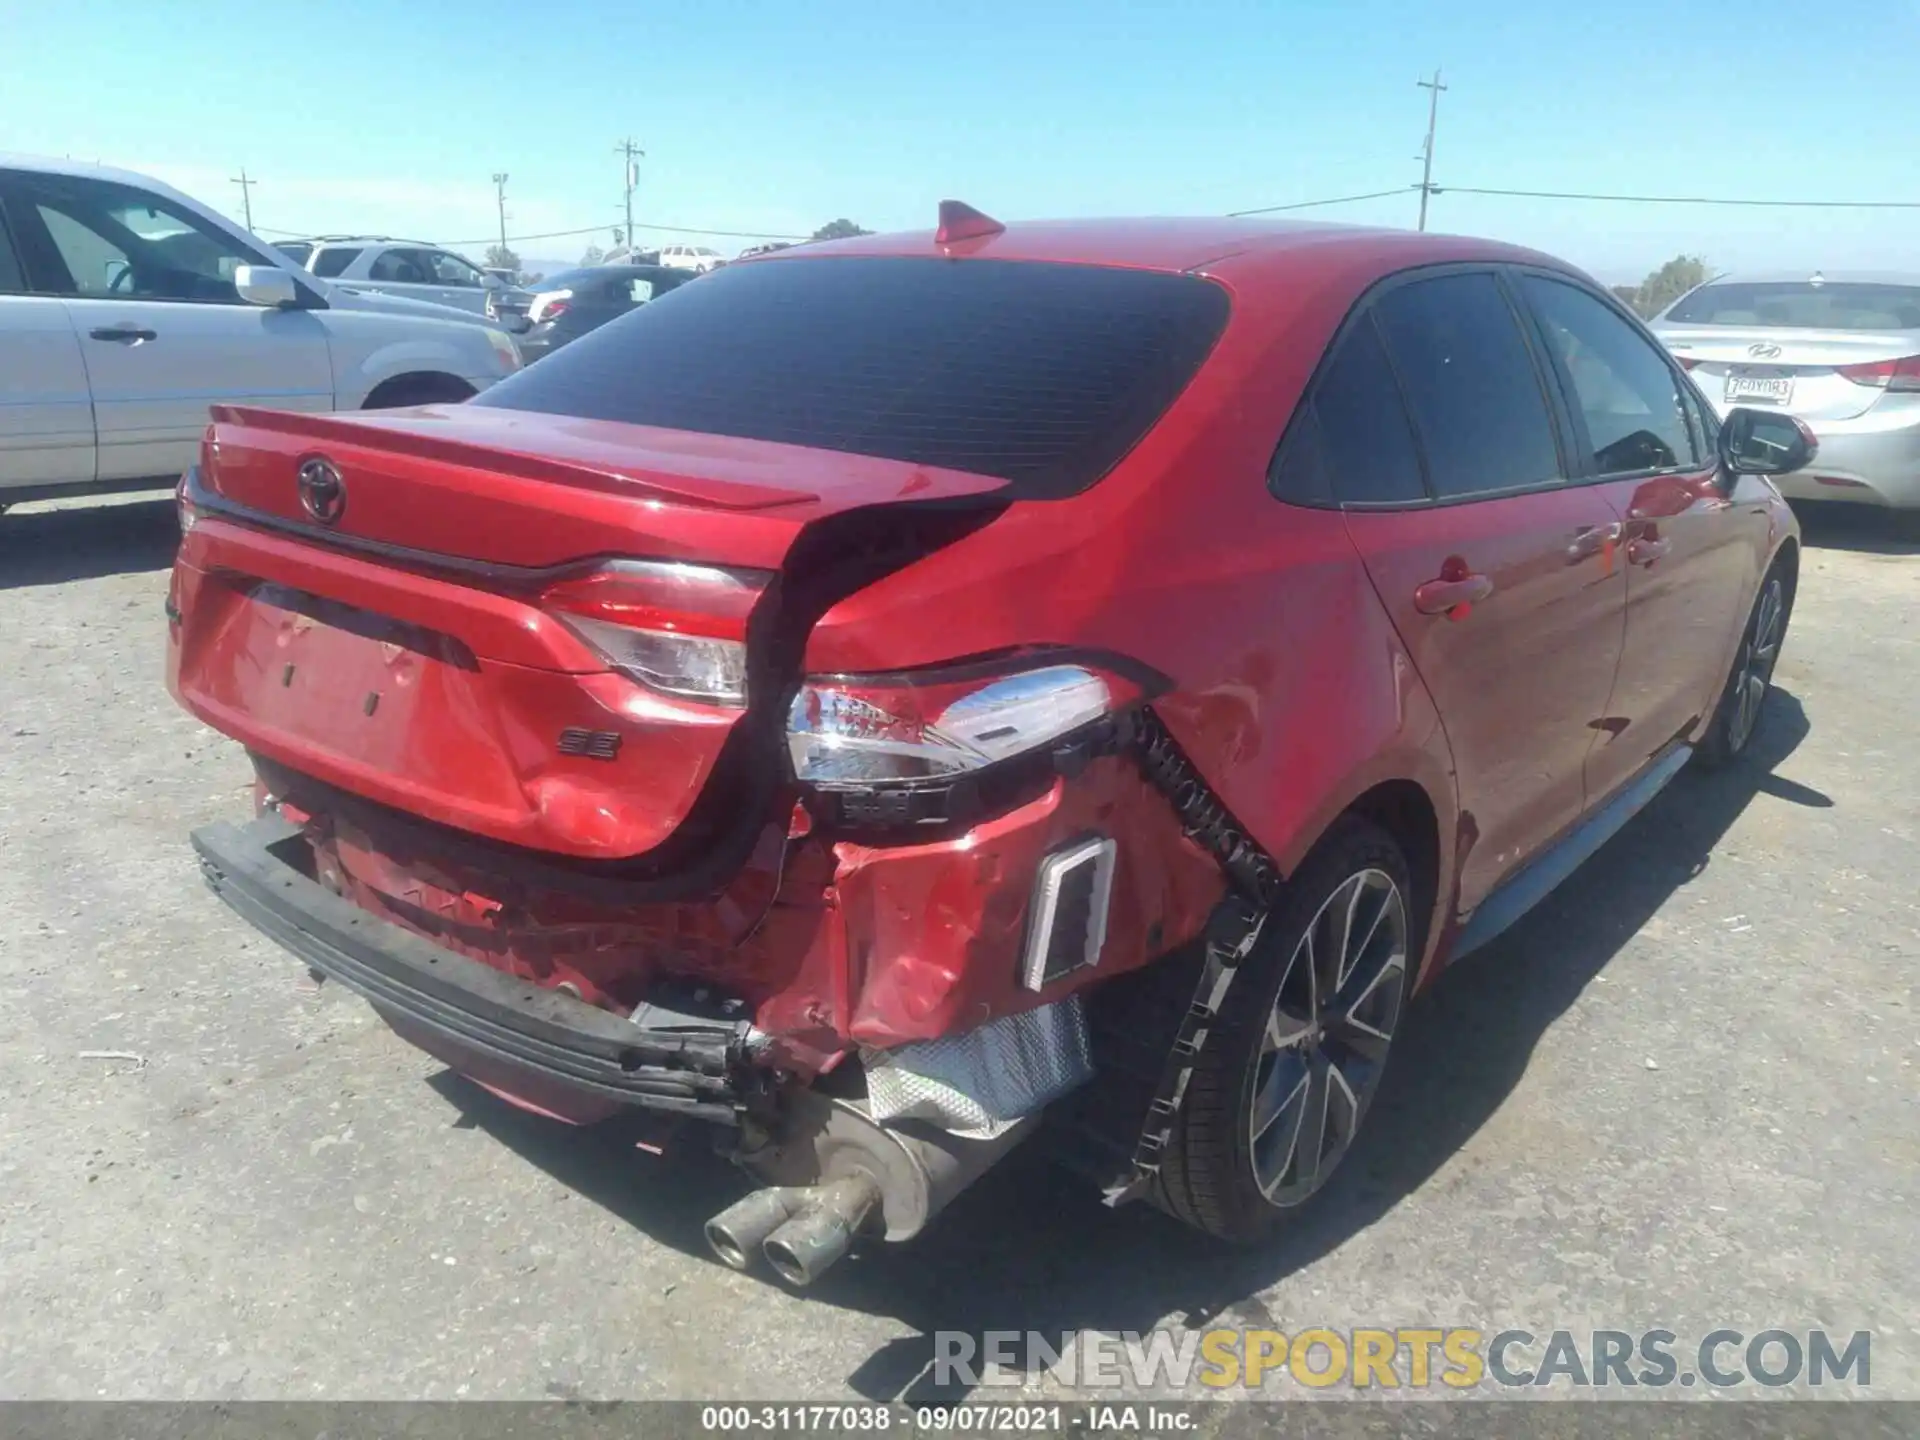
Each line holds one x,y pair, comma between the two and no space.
1787,557
1405,811
418,387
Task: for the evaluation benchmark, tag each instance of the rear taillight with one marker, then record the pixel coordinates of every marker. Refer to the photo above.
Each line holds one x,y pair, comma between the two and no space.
1686,362
676,628
550,306
1900,376
555,310
933,726
189,512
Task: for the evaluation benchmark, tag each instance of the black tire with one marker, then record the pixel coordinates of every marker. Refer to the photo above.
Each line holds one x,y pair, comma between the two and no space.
1743,698
1216,1174
404,390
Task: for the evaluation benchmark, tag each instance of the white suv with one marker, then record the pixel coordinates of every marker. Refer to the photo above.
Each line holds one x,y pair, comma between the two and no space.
127,309
690,257
409,268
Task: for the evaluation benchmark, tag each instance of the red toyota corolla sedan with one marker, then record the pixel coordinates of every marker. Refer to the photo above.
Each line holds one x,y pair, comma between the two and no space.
899,698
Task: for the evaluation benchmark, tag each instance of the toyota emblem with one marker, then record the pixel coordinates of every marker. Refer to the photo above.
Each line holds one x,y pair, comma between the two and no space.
323,494
1764,351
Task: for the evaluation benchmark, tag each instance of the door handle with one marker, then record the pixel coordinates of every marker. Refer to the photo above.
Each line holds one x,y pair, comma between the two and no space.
1451,596
1592,540
126,334
1643,551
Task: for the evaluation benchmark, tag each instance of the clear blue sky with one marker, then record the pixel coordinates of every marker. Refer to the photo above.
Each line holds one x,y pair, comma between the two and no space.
780,116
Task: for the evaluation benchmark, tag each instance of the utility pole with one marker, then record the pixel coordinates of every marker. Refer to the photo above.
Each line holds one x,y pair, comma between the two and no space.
246,194
1427,150
500,195
1426,153
630,178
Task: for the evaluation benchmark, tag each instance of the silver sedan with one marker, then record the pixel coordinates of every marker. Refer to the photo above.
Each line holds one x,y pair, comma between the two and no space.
1840,351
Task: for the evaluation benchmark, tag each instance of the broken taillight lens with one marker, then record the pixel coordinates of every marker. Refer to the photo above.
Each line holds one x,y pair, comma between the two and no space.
853,730
677,628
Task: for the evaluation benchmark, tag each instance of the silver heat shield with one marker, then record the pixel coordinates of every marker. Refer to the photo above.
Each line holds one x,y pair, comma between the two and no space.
981,1083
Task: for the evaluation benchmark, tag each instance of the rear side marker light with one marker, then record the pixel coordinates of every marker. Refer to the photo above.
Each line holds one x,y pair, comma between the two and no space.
1068,925
1900,376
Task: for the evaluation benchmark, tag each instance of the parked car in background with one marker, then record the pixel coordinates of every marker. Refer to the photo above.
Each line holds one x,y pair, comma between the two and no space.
690,257
1095,670
1841,351
568,305
408,268
127,309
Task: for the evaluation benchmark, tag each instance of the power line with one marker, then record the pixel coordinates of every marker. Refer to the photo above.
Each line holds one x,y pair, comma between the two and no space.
587,230
1299,204
1685,199
1427,187
670,229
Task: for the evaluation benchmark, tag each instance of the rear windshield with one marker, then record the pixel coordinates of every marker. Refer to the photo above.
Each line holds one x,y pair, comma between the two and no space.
1043,375
1802,305
295,251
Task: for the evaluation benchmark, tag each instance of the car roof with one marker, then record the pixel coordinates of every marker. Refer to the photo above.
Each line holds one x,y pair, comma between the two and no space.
1220,245
88,170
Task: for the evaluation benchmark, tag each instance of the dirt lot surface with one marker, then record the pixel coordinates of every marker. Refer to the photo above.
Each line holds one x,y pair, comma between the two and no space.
1681,1094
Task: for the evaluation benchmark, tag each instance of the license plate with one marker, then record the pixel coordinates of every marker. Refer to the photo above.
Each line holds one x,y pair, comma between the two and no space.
1775,389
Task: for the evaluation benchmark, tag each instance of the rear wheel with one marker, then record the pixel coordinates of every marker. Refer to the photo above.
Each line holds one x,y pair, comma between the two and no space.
1738,717
1280,1089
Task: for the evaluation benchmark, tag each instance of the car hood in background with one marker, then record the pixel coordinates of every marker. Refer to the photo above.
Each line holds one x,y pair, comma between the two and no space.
349,297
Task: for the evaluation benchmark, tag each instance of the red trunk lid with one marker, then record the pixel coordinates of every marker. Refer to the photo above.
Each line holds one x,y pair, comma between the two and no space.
401,649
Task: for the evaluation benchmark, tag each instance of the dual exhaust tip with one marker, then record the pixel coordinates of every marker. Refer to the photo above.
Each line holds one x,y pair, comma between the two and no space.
801,1231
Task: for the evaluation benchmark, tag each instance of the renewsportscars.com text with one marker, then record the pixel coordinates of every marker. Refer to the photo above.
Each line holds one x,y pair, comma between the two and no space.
1414,1358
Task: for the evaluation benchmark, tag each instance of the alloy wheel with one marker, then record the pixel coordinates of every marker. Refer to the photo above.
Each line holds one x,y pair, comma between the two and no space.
1325,1042
1754,672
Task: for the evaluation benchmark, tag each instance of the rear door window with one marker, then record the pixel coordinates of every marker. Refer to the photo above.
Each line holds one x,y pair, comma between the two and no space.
1471,384
1627,395
1043,375
334,260
402,267
1351,442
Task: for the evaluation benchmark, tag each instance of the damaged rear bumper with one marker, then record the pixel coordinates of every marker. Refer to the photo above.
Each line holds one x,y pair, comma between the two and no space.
541,1041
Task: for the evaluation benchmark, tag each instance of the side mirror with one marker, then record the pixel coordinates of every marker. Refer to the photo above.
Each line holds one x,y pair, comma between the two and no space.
1765,442
267,286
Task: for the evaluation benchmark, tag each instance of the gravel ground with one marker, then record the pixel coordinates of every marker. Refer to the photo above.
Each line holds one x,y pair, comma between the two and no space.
1681,1094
